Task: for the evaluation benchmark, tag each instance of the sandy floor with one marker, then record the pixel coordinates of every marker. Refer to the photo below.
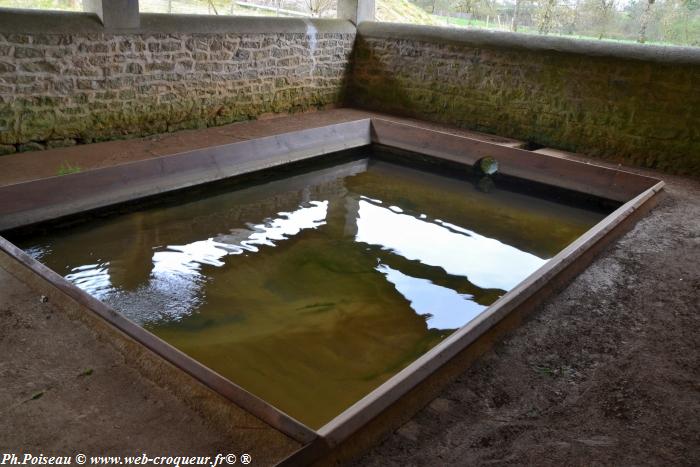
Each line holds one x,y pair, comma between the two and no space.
64,391
606,373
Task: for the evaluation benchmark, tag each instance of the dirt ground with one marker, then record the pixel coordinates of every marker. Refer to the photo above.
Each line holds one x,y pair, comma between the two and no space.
65,392
605,373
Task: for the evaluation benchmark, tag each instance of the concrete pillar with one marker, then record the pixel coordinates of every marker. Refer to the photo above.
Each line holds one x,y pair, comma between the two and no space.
356,10
115,14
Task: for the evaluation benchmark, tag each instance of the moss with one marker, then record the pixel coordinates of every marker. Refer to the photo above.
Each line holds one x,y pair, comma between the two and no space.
7,149
601,107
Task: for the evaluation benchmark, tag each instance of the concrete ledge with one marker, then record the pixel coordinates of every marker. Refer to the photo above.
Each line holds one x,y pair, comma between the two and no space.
34,21
241,24
16,21
100,188
520,41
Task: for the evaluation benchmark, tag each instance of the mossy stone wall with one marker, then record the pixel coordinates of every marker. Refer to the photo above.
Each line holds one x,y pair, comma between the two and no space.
63,89
631,111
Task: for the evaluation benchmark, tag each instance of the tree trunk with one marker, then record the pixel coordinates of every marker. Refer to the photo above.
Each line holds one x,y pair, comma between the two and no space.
574,20
606,7
516,11
547,16
644,22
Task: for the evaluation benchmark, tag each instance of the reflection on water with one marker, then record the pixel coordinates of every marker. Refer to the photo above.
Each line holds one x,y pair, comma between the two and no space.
312,290
458,251
442,307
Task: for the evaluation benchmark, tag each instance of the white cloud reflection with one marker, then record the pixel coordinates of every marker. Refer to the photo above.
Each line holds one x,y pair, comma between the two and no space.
186,259
442,307
174,286
92,278
486,262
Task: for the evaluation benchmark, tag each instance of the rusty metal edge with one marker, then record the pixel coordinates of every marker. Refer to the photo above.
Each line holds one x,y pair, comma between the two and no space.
319,443
368,407
239,396
590,178
533,290
352,420
51,198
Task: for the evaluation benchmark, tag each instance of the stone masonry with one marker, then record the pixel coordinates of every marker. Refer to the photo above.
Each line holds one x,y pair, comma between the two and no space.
63,89
67,88
630,111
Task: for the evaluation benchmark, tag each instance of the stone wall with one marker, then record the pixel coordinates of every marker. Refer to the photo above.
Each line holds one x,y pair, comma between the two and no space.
637,105
65,80
65,88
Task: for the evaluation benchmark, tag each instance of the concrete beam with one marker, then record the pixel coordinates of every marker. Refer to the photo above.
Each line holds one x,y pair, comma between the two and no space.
357,11
519,41
14,21
115,14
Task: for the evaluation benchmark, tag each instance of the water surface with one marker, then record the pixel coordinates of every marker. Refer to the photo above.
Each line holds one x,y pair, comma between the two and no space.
311,290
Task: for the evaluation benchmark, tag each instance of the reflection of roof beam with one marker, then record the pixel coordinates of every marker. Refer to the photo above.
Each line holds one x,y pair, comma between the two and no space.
442,308
134,266
352,213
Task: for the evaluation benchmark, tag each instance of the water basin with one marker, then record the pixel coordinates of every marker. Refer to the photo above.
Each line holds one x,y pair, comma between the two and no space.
313,287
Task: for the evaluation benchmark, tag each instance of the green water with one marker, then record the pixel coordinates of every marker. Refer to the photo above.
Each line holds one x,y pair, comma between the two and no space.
311,290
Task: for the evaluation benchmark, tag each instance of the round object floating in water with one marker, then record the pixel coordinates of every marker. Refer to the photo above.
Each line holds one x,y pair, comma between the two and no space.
487,165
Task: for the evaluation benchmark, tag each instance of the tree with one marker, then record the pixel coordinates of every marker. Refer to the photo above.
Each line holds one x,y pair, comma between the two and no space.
516,13
605,9
691,7
644,22
574,17
546,16
474,7
318,7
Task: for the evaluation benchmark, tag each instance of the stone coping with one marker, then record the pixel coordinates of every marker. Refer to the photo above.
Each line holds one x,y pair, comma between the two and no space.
16,21
520,41
56,22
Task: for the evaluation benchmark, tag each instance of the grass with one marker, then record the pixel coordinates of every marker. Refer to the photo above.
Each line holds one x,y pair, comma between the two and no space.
403,11
554,371
66,169
493,26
